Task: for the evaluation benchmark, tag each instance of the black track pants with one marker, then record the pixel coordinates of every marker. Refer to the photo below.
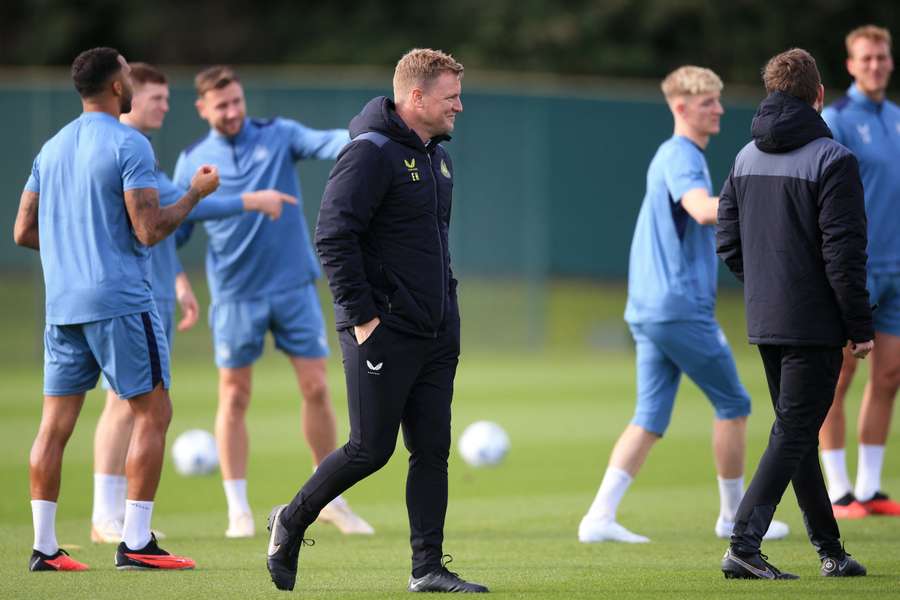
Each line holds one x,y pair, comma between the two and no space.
801,382
394,380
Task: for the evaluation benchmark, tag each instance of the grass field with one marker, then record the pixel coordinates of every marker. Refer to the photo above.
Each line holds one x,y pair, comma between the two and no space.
512,527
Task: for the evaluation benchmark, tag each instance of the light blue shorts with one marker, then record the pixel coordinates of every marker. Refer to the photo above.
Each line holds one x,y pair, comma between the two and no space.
130,351
293,316
166,311
696,348
884,290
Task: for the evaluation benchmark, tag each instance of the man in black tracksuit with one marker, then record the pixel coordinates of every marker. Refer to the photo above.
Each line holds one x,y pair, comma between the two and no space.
792,227
382,237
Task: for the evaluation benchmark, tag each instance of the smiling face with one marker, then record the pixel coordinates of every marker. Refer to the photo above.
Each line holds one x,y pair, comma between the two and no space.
870,63
149,106
438,104
701,112
224,109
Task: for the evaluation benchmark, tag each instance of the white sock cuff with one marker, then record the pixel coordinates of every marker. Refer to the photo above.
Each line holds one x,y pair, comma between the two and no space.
618,474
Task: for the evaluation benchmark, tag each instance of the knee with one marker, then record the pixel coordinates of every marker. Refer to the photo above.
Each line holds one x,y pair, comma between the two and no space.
885,383
235,395
158,416
314,390
370,457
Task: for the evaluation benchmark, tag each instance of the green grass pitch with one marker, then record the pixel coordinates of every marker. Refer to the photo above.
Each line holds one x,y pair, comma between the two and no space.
512,527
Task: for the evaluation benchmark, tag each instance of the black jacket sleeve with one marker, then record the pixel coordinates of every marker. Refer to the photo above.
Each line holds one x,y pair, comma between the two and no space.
356,186
842,221
728,229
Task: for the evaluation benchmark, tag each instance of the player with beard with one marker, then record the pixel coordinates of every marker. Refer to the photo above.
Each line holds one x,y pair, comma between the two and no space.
91,208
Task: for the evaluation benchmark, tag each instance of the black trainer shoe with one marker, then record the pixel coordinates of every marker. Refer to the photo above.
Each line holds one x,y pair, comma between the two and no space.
150,556
283,552
754,566
842,566
443,580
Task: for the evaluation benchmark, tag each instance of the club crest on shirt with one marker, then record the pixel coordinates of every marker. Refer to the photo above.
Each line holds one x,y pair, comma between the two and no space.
260,153
444,170
864,133
412,169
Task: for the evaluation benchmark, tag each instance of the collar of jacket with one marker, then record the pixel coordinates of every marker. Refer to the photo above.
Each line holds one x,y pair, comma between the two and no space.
380,115
784,122
858,97
236,140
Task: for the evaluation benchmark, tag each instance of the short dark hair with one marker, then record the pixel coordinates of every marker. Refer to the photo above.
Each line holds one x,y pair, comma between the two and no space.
142,73
93,68
214,78
793,72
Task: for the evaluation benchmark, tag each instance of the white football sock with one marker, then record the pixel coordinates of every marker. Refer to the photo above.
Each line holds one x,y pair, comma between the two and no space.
109,498
612,488
43,515
835,464
868,472
730,493
136,532
236,495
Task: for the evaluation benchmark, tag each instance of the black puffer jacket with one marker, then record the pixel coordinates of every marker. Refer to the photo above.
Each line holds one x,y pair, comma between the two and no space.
383,227
792,227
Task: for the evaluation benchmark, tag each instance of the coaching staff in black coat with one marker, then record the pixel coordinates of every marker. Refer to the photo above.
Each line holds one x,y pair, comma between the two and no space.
382,236
792,227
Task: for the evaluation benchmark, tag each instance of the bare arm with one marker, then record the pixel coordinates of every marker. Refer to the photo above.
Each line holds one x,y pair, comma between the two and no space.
702,207
25,232
153,223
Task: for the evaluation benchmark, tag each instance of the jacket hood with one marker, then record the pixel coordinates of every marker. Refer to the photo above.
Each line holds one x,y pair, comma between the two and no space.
380,115
783,123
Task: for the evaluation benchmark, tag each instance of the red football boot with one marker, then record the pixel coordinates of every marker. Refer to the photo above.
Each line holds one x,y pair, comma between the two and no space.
150,556
61,561
848,507
880,504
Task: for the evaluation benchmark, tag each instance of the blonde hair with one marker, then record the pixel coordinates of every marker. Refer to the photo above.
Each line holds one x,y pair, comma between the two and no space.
690,81
869,32
420,67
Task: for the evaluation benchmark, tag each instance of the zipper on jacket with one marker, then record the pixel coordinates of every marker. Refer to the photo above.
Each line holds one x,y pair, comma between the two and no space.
437,224
234,155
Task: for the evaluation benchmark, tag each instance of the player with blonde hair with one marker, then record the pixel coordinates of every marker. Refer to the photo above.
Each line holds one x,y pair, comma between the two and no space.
671,313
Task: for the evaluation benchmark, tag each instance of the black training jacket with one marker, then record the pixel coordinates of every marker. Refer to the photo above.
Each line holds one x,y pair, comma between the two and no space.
792,227
383,227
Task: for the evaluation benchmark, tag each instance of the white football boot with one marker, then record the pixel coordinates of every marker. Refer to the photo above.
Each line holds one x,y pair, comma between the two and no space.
240,526
338,513
606,530
777,529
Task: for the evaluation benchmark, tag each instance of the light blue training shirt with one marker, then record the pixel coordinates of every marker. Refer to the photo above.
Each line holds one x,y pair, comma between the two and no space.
94,266
249,255
672,268
871,130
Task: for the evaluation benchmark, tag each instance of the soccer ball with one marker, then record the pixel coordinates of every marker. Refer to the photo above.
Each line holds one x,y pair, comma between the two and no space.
483,443
194,453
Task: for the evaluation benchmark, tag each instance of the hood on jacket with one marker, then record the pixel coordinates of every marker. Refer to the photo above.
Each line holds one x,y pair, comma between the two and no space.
380,115
784,122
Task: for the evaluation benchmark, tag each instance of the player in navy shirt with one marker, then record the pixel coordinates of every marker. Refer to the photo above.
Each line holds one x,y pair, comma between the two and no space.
262,278
169,284
671,313
91,207
867,123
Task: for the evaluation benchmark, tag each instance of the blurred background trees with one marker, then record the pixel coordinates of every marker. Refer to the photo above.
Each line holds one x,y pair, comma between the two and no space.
619,38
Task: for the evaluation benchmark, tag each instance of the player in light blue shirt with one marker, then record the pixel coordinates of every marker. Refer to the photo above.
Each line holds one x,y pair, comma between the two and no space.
262,278
869,125
671,313
168,283
91,207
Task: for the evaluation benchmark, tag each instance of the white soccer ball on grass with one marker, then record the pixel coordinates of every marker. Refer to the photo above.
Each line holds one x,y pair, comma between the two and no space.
194,453
483,443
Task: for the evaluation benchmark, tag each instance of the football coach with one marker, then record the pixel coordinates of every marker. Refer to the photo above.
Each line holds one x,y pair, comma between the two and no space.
382,237
792,227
